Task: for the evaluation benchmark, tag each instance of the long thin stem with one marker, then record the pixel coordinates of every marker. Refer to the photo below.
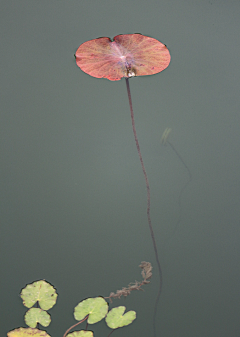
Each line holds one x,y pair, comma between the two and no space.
73,326
148,208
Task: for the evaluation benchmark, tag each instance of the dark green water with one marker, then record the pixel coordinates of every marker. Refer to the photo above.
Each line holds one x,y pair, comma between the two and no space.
73,198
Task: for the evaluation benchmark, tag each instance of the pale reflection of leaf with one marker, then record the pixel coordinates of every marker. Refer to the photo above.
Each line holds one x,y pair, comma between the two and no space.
165,141
165,136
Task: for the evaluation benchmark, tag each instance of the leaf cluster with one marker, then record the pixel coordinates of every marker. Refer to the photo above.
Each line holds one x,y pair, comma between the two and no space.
41,296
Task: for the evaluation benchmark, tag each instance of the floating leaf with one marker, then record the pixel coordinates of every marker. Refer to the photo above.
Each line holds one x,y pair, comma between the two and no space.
37,315
115,318
82,333
40,291
27,332
96,308
126,56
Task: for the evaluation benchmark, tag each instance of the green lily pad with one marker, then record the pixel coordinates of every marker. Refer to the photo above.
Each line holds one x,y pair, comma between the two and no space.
37,315
27,332
82,333
116,319
40,291
96,308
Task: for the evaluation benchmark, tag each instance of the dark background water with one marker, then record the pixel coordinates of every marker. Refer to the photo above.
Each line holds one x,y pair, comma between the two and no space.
73,198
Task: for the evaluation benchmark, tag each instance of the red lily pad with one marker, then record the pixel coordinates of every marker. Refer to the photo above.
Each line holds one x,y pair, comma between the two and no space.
126,56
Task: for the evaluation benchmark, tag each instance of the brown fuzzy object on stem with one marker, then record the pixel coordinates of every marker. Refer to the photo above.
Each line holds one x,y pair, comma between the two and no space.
125,291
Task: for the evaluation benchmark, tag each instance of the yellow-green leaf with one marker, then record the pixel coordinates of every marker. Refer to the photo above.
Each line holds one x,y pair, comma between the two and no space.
117,319
82,333
37,315
27,332
96,308
40,291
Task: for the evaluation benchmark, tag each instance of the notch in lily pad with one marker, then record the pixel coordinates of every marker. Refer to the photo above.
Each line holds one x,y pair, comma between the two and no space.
40,291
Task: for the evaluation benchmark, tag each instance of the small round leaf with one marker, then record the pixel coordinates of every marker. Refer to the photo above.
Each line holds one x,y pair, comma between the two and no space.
96,308
116,319
37,315
40,291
